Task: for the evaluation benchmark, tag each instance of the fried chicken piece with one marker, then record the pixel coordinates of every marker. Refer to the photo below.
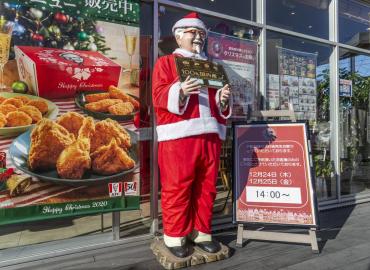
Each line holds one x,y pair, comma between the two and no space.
75,160
3,120
31,111
13,101
115,92
48,140
16,119
105,131
5,109
102,105
96,97
41,105
2,99
111,159
72,121
123,108
24,99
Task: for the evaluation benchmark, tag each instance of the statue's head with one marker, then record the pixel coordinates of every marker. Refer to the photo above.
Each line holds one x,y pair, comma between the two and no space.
190,33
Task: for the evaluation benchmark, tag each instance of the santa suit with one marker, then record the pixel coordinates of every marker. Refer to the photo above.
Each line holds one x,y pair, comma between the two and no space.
188,151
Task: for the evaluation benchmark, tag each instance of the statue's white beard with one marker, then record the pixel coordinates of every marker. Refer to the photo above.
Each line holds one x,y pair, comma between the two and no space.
197,48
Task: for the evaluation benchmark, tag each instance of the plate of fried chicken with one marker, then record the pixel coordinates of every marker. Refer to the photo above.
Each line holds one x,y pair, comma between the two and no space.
18,112
114,104
76,150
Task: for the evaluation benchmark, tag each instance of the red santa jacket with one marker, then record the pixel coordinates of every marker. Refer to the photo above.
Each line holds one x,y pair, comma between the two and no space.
201,113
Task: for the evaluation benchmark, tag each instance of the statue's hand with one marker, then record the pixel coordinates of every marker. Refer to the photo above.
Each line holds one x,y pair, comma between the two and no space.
225,94
190,87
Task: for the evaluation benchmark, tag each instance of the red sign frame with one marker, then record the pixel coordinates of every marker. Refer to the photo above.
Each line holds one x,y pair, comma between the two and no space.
272,174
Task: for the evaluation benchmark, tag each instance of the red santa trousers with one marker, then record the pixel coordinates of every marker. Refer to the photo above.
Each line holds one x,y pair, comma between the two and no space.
188,172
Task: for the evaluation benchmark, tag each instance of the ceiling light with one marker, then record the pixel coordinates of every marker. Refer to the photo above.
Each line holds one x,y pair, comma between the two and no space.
310,26
292,13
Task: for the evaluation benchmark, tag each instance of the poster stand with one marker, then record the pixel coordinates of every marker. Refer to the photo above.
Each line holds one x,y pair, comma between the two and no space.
244,233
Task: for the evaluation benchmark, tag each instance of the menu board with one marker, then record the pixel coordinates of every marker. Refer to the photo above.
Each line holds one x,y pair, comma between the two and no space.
273,91
306,107
298,91
296,63
272,174
297,72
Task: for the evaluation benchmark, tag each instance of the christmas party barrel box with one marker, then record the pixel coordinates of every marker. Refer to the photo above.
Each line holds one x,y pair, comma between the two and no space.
58,73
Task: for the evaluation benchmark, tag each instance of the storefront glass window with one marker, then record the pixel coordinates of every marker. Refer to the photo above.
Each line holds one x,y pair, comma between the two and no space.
298,78
244,9
354,122
167,44
354,23
303,16
168,17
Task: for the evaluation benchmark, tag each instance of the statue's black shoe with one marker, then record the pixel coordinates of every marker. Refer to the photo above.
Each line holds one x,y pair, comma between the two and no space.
209,246
180,251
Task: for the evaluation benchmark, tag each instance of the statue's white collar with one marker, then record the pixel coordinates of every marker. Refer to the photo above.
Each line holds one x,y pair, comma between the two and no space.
186,53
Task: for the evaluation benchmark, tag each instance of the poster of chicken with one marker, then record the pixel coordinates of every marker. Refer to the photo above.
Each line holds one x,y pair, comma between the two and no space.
68,100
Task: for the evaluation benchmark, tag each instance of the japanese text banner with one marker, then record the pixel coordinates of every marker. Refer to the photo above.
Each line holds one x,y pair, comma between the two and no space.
122,11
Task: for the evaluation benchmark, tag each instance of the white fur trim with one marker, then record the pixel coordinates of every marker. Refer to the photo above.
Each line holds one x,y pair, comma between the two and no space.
194,126
173,99
173,241
186,53
197,236
203,99
219,105
189,22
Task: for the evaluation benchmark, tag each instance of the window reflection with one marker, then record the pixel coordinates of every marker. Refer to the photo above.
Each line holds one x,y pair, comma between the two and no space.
303,16
167,44
354,23
308,94
244,9
168,16
354,108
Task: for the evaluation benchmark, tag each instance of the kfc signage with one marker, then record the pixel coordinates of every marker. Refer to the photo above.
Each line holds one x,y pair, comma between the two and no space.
272,174
115,189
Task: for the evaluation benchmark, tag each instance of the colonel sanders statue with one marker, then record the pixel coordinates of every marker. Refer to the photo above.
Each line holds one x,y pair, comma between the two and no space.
190,126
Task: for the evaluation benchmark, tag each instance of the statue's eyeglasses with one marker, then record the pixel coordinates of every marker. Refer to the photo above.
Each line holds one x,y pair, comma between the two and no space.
195,32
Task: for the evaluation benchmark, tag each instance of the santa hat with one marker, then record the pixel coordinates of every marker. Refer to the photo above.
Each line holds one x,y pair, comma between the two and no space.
190,20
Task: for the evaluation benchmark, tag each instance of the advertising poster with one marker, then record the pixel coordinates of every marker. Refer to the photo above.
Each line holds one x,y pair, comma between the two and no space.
239,59
68,144
273,91
345,88
272,174
298,82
